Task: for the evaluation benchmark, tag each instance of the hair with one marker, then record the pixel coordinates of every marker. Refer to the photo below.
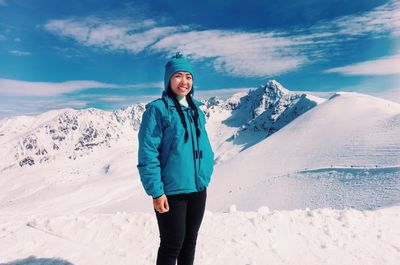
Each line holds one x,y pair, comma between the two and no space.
189,99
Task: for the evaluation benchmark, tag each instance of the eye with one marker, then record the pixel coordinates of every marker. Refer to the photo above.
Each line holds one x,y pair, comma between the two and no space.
177,75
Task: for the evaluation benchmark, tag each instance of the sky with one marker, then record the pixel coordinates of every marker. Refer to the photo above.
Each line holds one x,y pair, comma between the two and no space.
111,54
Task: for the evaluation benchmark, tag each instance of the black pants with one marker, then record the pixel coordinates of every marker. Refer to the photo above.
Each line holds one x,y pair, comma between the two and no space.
179,227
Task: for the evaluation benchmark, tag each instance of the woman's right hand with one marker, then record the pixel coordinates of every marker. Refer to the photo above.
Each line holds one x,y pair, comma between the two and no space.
161,204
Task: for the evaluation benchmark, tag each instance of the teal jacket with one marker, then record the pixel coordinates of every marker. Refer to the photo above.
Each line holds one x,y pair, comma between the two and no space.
168,165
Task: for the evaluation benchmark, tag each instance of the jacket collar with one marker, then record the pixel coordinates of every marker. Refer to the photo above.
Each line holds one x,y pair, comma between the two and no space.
170,103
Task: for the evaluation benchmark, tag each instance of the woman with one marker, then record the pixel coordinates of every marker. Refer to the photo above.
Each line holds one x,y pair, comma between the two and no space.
176,162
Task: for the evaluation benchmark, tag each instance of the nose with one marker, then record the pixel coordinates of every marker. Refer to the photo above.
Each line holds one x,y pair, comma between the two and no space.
184,80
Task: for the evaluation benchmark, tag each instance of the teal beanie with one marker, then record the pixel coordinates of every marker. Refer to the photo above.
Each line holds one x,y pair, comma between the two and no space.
177,63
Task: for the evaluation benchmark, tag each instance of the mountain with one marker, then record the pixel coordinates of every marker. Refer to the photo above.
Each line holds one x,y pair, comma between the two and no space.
64,133
277,151
248,118
93,167
92,154
349,130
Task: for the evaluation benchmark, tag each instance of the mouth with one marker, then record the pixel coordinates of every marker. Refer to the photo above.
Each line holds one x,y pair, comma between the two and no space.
183,88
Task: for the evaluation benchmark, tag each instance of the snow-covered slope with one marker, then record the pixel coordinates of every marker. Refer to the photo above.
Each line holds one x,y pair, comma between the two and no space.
96,155
245,119
82,202
348,130
312,237
64,133
234,124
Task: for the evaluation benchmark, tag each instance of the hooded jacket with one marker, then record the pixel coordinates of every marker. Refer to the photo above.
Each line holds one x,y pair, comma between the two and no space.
166,163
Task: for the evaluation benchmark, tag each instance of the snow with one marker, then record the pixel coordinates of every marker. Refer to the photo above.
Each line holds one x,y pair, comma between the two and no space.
324,188
348,130
323,236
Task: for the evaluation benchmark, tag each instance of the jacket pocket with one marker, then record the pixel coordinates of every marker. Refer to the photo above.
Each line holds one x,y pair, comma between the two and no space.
206,154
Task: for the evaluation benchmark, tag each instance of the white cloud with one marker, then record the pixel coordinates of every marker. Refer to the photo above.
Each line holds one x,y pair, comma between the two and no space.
11,87
237,53
20,53
392,94
116,35
2,38
112,99
383,66
222,93
23,106
385,18
3,3
381,20
159,85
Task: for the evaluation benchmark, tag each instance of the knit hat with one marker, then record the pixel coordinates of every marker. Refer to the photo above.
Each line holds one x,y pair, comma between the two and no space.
177,63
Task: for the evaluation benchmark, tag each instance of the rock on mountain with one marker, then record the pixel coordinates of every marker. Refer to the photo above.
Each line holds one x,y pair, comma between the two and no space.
249,117
257,114
349,130
66,133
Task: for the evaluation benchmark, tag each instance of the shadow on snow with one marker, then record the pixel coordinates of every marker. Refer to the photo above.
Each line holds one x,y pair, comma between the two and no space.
32,260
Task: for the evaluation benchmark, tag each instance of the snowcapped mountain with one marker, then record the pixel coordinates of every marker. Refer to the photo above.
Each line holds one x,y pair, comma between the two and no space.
348,130
70,190
71,134
255,115
76,151
71,150
65,133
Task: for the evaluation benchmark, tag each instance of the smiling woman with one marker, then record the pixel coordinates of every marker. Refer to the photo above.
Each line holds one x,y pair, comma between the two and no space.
175,162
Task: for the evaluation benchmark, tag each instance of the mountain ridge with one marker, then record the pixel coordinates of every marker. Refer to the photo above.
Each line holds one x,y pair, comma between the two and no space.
45,135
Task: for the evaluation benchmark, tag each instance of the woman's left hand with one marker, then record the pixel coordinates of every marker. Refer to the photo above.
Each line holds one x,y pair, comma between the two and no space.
161,204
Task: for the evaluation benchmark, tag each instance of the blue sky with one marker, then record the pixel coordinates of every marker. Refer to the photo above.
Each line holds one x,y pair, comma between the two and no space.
111,54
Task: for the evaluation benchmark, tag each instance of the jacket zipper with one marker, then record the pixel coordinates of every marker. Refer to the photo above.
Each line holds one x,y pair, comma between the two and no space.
195,151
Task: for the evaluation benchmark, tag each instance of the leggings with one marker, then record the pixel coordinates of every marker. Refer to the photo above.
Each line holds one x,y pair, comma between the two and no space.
179,227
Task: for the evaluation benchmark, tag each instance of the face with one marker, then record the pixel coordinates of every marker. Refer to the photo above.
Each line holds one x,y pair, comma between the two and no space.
181,83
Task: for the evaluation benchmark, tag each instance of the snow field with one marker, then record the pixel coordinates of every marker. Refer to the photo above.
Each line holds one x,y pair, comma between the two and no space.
321,236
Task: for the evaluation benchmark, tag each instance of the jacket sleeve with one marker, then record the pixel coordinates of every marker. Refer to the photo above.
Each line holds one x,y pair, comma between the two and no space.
150,136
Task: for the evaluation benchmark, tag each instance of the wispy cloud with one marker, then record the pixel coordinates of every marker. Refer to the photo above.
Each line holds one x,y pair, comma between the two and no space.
112,99
237,53
3,3
381,20
13,106
383,66
234,52
32,106
390,94
11,87
114,35
20,53
221,93
2,38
